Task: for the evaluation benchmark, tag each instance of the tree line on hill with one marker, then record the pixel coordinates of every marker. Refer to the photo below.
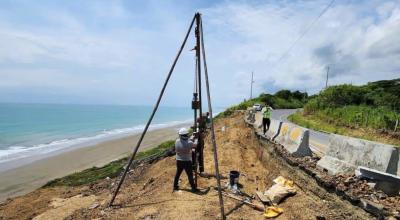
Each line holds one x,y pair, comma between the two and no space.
374,105
283,99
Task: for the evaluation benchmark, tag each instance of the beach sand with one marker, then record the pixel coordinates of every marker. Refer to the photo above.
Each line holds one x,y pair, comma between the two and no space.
24,179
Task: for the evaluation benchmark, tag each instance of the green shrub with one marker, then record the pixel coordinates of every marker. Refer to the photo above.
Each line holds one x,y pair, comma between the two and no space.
375,105
341,95
283,99
111,170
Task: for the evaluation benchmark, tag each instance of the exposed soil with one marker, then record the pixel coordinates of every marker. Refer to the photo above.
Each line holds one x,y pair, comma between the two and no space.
147,191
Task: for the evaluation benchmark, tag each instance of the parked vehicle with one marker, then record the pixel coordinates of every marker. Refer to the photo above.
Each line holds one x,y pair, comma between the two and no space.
257,107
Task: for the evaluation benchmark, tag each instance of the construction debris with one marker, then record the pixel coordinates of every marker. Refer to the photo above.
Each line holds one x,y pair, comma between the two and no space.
388,183
262,197
245,200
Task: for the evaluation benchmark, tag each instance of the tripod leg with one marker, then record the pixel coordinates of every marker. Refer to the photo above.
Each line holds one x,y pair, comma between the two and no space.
214,144
152,114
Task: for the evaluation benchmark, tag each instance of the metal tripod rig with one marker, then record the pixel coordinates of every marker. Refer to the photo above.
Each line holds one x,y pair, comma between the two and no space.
199,123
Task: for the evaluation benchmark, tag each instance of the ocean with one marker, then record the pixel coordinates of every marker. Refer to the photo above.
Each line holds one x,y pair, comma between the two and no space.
34,129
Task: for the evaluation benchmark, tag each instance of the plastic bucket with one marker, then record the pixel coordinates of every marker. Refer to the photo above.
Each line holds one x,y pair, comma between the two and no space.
234,177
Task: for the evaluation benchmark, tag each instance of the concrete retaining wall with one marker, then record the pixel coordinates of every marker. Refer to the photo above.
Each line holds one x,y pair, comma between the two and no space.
294,139
345,154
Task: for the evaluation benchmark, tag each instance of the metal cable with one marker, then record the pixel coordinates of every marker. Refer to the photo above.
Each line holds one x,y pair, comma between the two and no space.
221,201
305,31
152,114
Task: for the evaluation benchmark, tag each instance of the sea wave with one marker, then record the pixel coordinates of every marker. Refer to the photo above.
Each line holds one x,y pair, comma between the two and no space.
19,152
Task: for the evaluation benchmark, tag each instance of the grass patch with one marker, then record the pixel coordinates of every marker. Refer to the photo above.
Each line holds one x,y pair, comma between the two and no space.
156,150
316,123
111,170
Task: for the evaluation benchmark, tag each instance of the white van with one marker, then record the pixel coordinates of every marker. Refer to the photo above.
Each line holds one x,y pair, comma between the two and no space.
257,107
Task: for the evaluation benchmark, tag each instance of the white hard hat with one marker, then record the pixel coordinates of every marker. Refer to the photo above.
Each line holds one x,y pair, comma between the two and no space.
183,131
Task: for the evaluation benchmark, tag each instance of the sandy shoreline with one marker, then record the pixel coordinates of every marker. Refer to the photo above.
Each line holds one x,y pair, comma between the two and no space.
24,179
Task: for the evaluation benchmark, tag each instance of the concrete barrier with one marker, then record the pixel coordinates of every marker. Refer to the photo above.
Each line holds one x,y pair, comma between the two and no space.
294,139
249,117
398,164
345,154
273,130
388,183
253,116
257,121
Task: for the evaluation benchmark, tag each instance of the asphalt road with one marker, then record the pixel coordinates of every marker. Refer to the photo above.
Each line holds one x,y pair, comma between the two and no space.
319,141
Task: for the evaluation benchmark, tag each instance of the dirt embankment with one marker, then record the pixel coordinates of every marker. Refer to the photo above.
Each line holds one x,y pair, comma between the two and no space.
147,191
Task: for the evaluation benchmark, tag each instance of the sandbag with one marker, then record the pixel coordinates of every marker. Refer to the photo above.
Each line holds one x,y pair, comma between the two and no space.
280,190
272,211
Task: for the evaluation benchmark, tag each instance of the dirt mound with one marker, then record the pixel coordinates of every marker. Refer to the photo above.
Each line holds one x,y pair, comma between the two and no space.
147,191
62,208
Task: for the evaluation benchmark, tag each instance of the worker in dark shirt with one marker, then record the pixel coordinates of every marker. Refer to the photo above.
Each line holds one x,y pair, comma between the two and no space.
266,121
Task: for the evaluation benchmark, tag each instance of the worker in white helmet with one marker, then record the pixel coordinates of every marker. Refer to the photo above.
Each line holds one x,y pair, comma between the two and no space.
183,149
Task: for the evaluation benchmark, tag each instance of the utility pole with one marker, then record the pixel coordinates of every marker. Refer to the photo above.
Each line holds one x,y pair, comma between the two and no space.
327,77
251,85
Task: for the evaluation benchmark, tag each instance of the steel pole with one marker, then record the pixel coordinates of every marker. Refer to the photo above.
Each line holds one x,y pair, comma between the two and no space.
152,114
200,148
198,61
214,144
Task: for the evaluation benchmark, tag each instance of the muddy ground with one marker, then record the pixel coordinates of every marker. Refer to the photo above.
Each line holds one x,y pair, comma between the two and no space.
147,191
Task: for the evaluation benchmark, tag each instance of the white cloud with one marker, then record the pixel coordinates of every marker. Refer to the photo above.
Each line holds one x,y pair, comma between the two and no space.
121,54
344,38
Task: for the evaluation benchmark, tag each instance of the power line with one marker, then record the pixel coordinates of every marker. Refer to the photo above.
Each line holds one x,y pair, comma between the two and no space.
305,31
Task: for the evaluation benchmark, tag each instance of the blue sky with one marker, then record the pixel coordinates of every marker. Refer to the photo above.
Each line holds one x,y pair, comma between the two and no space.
118,52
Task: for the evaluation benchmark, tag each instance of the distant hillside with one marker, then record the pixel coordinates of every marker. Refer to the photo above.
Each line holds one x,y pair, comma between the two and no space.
283,99
385,93
375,105
370,111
